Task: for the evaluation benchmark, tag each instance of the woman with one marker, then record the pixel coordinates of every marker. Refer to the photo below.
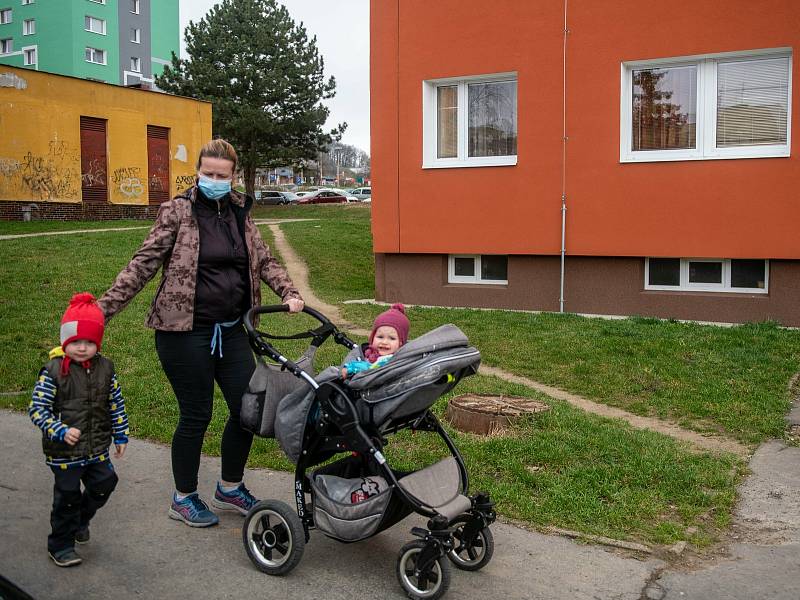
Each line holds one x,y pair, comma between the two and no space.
214,260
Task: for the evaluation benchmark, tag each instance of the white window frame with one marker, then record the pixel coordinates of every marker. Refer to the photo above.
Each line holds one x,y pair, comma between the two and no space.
723,287
94,52
11,51
89,27
10,12
98,1
706,131
430,160
136,35
35,50
476,278
135,8
136,64
26,2
29,27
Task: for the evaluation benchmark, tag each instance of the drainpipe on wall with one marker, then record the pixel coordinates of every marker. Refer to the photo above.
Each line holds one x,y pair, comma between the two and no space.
563,165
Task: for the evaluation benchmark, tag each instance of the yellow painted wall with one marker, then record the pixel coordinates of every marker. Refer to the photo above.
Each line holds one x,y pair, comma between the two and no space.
40,136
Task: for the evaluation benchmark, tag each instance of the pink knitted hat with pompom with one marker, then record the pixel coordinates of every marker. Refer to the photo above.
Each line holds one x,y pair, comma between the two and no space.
394,317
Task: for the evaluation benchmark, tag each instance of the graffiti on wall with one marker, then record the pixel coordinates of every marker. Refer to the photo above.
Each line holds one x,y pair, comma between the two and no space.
183,182
128,181
54,175
95,174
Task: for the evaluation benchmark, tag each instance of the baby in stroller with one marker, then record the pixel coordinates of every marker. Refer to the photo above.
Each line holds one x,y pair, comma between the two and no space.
389,332
360,494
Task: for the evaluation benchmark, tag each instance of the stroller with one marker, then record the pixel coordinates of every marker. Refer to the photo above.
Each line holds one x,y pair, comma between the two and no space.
316,418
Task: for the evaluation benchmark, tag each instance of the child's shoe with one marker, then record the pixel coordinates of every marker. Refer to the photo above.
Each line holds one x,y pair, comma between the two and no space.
192,511
82,536
240,499
66,557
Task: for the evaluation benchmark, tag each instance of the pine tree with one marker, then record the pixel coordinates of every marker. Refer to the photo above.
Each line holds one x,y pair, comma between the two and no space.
265,79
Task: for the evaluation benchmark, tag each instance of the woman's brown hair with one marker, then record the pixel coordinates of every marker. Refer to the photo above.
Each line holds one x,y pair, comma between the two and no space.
218,148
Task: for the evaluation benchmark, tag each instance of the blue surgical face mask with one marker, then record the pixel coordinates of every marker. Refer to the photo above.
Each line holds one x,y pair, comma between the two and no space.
214,189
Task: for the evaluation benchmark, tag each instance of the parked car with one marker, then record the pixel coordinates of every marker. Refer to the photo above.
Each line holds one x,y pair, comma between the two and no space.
342,192
363,193
268,197
323,197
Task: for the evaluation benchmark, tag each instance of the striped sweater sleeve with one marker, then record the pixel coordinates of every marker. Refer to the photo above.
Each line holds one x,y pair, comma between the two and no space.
116,408
40,410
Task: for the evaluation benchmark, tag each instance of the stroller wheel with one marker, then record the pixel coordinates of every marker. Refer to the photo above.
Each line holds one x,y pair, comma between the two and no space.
470,553
273,537
430,584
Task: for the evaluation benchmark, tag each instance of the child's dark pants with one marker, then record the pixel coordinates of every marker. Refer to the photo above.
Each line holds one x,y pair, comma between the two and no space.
73,509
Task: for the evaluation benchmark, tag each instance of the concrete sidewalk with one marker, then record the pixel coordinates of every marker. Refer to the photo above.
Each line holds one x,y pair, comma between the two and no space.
137,551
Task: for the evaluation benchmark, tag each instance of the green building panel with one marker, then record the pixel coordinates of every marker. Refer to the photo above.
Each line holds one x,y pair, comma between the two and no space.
166,33
61,36
107,42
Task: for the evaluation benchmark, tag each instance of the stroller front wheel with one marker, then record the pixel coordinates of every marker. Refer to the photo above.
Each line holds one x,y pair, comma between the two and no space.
472,550
429,584
273,537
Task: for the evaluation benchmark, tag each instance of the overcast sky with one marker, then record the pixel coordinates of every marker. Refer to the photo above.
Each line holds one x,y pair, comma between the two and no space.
342,30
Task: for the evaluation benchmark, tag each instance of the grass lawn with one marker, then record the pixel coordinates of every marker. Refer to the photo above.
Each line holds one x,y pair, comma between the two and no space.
563,468
731,381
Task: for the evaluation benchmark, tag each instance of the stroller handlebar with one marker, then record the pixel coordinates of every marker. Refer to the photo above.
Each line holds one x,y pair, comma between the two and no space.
259,339
275,308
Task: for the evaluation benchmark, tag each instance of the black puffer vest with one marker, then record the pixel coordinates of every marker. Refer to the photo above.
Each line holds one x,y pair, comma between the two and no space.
82,402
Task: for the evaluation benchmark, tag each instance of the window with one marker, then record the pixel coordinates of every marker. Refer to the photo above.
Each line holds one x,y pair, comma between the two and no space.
24,2
135,7
707,274
98,1
95,55
484,268
29,56
94,25
7,46
470,122
5,16
710,107
29,27
136,35
136,64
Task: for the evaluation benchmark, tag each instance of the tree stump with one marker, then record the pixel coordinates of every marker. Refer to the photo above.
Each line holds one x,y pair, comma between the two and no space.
488,415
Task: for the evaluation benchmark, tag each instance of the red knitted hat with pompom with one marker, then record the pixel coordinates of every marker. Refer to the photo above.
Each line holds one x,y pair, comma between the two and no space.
83,320
394,317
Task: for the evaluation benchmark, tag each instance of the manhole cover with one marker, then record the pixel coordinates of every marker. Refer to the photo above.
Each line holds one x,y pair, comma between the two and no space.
486,414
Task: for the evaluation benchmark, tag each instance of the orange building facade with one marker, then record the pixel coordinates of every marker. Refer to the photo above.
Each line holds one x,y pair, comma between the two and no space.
654,147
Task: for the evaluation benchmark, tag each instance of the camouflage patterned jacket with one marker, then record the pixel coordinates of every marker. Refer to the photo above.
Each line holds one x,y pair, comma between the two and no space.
174,242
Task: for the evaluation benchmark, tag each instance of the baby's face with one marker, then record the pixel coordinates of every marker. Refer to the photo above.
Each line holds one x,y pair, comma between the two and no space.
386,341
81,350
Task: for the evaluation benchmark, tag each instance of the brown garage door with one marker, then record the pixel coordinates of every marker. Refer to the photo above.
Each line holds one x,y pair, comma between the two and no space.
94,160
157,164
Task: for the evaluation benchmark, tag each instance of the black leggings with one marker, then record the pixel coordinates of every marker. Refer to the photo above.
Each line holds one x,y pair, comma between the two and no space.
191,369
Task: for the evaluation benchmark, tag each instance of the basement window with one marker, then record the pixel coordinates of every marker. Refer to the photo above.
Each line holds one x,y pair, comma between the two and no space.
478,268
707,275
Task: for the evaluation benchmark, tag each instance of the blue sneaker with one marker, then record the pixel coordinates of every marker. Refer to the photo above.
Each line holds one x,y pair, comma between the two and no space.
192,511
240,499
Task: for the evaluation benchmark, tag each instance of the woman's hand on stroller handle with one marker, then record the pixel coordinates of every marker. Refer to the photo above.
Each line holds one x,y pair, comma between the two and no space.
295,304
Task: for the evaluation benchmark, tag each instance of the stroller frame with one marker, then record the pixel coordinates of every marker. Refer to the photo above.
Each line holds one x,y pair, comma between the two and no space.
338,429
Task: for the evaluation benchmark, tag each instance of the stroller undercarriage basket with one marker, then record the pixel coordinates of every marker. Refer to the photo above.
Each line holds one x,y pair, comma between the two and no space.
353,498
